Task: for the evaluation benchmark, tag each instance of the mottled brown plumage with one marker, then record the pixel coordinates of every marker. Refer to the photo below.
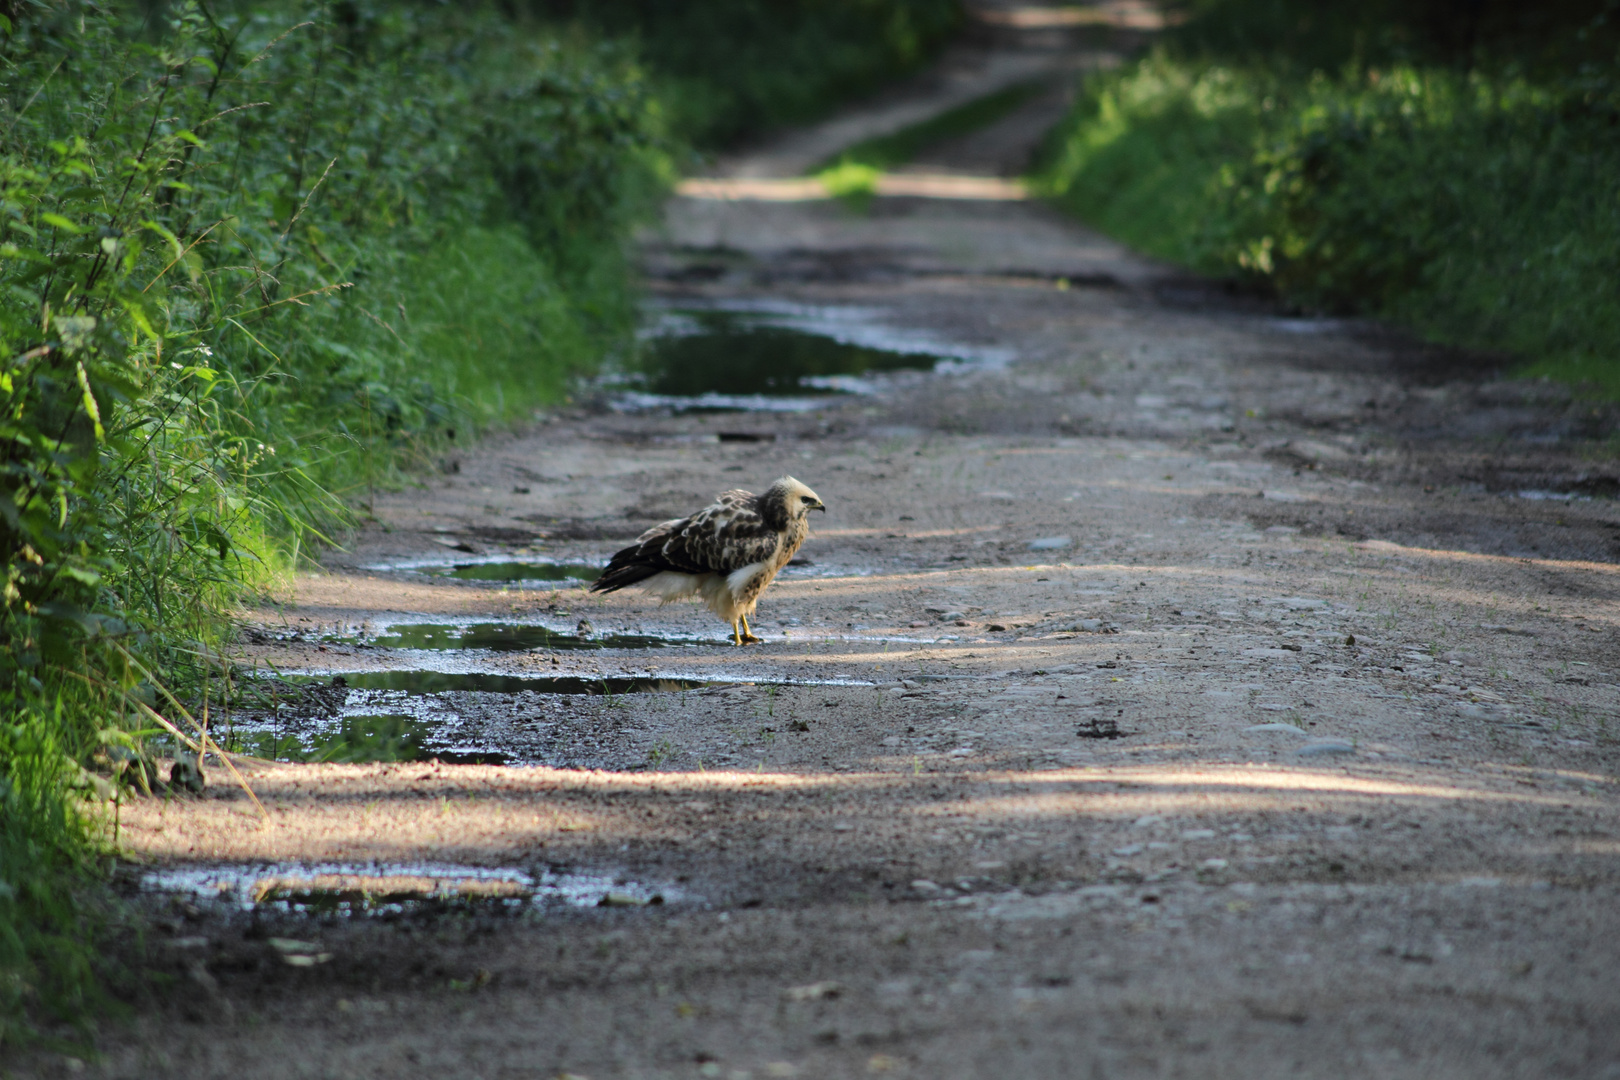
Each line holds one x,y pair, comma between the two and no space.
727,553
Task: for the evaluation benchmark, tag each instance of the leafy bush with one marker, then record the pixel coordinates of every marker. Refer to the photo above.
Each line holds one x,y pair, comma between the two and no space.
734,68
1481,209
249,262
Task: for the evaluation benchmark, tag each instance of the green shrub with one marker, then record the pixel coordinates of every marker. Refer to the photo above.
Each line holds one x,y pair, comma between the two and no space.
1482,210
729,69
250,261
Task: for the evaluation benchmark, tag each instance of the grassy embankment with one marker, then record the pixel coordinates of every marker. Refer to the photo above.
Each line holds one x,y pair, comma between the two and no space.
1456,174
257,259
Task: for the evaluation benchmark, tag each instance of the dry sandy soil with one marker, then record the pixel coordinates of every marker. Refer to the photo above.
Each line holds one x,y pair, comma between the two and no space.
1360,819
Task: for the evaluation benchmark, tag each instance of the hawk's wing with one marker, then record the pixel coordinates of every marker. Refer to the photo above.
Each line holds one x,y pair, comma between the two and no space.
726,535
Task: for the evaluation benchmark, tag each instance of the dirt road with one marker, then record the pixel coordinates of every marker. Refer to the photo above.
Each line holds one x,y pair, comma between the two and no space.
1178,687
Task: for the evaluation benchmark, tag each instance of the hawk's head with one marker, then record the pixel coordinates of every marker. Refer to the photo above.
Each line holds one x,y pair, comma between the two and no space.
786,500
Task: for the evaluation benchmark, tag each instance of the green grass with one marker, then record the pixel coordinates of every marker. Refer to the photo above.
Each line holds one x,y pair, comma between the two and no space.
1478,209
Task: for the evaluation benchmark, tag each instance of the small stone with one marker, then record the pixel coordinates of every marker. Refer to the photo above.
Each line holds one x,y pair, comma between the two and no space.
1128,850
617,899
584,628
1050,543
926,889
1198,834
1213,864
952,616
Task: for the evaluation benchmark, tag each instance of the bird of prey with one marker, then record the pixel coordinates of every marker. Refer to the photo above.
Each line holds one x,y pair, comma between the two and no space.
725,553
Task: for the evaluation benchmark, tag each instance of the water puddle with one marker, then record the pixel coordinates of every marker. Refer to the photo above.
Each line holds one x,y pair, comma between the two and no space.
417,681
530,573
520,571
513,637
775,358
464,717
362,890
355,739
387,716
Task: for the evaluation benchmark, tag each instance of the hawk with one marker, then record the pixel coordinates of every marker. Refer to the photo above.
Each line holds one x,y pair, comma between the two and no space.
726,553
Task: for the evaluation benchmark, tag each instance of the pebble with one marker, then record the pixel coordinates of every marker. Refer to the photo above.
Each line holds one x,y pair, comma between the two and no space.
1128,850
951,616
1050,543
1198,834
1274,729
1326,747
926,889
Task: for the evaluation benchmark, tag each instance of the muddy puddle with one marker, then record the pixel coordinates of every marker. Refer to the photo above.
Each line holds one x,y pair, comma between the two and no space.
463,718
514,637
470,718
553,573
768,357
419,681
522,572
346,889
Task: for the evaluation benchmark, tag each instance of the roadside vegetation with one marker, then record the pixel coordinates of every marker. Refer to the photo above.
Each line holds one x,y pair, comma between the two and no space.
726,70
257,260
1453,168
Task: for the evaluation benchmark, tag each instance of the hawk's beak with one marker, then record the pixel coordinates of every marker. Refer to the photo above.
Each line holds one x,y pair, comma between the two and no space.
819,506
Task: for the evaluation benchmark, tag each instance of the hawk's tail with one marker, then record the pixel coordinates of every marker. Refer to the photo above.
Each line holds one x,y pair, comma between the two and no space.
625,569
